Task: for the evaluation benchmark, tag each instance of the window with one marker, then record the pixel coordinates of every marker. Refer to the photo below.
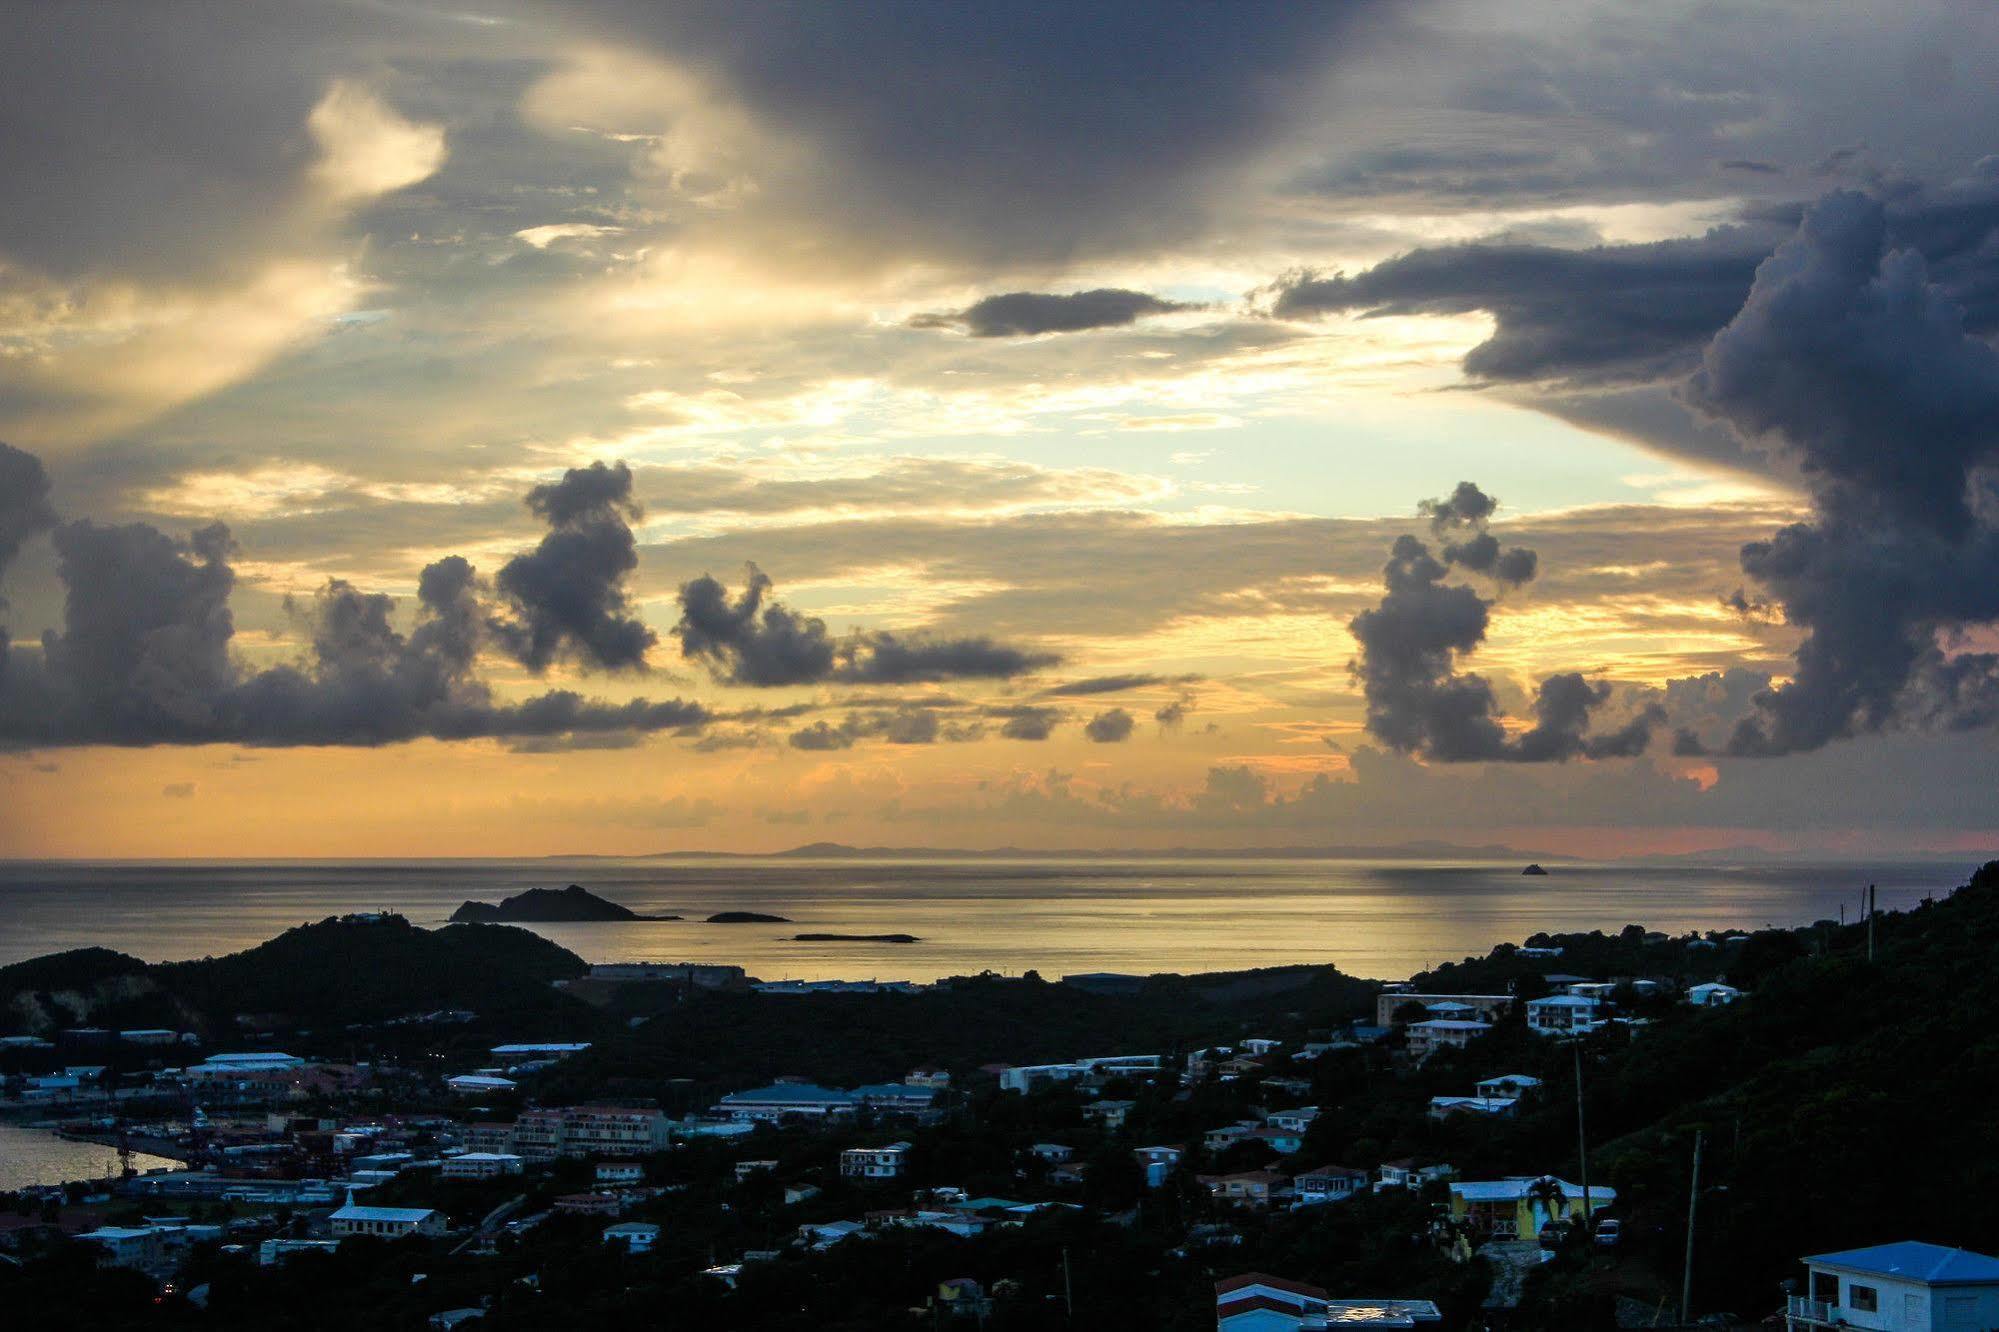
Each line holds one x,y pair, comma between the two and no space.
1862,1299
1825,1288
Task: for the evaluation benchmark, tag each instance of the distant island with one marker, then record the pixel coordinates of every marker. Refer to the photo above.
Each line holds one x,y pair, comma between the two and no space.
745,918
855,938
547,906
1533,869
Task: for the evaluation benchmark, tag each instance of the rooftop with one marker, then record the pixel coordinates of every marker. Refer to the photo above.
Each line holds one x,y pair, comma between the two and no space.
1912,1260
352,1212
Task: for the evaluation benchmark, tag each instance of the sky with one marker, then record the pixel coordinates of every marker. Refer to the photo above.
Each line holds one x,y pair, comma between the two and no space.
519,427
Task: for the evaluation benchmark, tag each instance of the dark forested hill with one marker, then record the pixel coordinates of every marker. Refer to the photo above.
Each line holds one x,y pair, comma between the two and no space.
330,974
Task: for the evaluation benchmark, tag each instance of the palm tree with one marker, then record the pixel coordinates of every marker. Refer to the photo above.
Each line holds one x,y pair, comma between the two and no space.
1548,1200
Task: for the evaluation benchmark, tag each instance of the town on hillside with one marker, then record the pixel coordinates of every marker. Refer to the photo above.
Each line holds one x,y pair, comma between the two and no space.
1572,1131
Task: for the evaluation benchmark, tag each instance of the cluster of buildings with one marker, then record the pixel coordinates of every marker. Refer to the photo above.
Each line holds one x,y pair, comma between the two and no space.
1575,1005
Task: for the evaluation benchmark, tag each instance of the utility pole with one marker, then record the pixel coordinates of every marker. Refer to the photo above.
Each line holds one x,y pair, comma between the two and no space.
1582,1139
1068,1292
1870,923
1693,1200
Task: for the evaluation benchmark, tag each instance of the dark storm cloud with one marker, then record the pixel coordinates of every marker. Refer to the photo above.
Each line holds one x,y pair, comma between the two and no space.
1042,128
1109,728
756,641
1419,702
1026,313
1613,312
1622,314
25,510
1849,363
567,597
143,658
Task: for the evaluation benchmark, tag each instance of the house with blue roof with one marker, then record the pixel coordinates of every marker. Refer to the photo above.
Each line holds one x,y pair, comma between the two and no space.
1905,1287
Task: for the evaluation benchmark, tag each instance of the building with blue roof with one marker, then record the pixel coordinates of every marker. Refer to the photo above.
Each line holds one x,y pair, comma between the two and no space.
1904,1287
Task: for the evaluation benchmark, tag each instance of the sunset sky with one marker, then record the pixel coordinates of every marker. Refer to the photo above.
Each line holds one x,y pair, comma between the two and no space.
653,425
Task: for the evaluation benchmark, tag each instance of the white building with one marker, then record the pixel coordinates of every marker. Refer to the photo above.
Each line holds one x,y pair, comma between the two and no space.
1905,1287
389,1222
1712,994
875,1162
1426,1038
480,1165
1326,1184
636,1236
129,1246
620,1172
1564,1012
479,1084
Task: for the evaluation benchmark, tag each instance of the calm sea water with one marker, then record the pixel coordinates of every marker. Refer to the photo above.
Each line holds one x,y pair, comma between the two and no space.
30,1156
1383,919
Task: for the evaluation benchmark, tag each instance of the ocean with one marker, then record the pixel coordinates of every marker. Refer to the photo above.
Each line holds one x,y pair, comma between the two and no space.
1384,919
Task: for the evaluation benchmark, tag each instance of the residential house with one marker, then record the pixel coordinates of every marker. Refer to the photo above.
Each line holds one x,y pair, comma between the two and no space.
1283,1141
1444,1107
1903,1287
744,1169
1508,1086
1110,1114
1426,1038
1407,1174
1228,1135
1518,1207
875,1162
1295,1120
825,1234
1294,1086
1052,1152
1564,1013
620,1173
634,1236
1070,1173
1248,1188
1258,1045
480,1084
929,1076
1157,1163
1254,1302
1387,1004
798,1193
1712,994
1326,1184
1537,951
390,1222
480,1165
